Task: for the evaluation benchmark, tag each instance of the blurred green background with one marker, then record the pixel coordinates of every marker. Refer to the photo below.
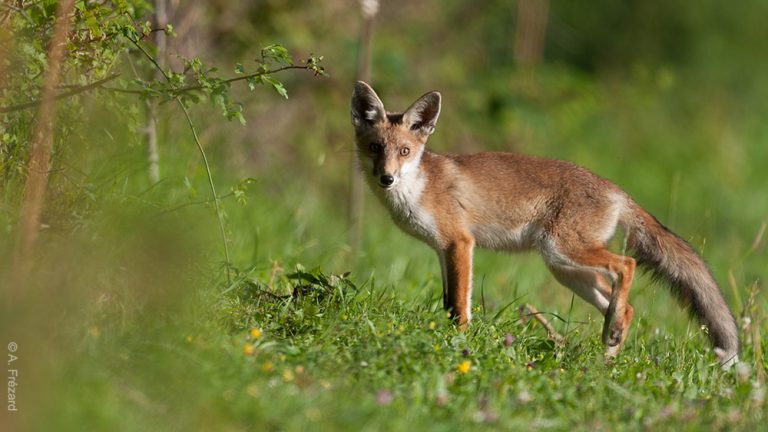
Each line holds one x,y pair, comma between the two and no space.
667,99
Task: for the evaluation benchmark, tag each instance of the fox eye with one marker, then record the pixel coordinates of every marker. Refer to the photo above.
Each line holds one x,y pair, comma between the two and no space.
375,147
405,151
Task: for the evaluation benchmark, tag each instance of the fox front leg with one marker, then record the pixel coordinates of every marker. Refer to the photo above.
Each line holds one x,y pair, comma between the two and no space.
456,262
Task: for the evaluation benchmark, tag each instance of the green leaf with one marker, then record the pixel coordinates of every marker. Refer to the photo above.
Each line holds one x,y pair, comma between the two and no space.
252,81
146,28
280,89
313,64
190,189
240,197
277,85
277,53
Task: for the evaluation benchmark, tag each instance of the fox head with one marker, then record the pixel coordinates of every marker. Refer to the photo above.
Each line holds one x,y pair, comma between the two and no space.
390,145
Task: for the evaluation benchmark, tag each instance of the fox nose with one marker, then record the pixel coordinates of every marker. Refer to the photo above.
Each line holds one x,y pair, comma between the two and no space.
386,180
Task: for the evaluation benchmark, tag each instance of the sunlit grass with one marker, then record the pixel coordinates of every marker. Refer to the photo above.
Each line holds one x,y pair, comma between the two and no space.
285,347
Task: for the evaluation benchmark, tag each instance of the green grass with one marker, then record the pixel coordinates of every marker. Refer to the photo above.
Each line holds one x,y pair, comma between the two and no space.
151,342
339,355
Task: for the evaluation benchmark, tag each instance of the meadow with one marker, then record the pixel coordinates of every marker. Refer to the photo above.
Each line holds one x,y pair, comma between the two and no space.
133,320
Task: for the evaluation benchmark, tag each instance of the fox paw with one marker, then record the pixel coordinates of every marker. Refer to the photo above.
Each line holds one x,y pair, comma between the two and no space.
611,352
612,334
613,327
616,325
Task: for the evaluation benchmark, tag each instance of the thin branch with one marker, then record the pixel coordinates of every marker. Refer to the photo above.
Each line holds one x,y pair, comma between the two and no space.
120,90
181,90
70,93
192,203
244,77
551,332
217,202
19,10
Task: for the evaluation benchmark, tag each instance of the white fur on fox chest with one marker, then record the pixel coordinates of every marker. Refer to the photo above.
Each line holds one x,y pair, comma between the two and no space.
404,204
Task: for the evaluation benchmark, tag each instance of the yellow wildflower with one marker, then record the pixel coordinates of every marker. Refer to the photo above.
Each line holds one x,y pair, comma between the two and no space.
287,375
267,366
255,333
248,349
399,330
432,325
464,366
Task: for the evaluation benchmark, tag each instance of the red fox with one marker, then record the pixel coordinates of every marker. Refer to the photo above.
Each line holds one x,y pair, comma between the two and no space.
512,202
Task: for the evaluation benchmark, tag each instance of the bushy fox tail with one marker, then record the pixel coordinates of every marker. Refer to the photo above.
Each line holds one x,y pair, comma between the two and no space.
673,260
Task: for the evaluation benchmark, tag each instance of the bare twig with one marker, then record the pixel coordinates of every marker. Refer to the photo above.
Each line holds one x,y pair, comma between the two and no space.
528,310
192,203
275,269
74,91
19,10
758,240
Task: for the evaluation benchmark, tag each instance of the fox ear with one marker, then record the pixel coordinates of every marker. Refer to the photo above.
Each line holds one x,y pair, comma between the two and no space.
367,108
422,116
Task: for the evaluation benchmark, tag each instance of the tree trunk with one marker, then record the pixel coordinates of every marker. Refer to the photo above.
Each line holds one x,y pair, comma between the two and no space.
153,155
40,147
356,193
530,32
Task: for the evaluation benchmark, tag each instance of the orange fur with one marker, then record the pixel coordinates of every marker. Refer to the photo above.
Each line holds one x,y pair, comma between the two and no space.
513,202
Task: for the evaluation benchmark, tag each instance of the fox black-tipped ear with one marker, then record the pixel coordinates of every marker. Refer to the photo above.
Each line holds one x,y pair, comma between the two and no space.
422,116
367,108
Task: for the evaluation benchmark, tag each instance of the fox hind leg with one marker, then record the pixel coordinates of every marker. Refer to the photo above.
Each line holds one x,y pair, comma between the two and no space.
600,276
620,313
589,284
